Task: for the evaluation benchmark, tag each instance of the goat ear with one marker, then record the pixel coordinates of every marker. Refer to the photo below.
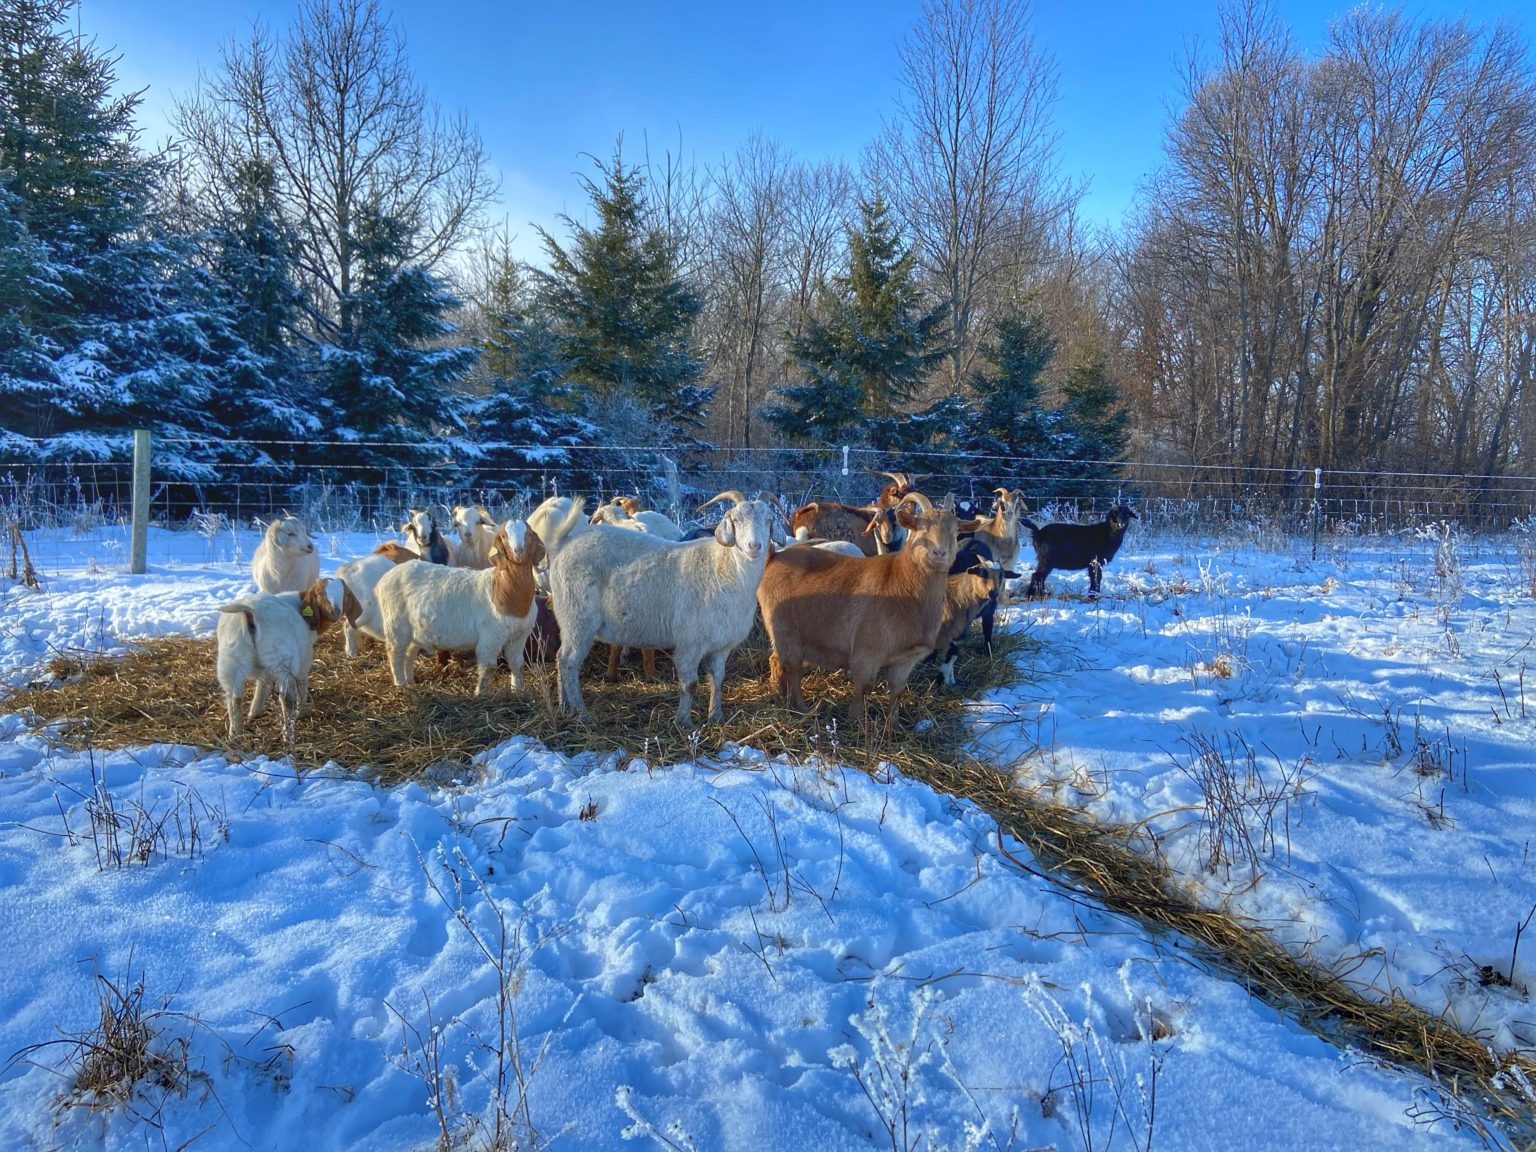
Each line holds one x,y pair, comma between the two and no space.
1009,575
776,533
906,519
725,531
533,549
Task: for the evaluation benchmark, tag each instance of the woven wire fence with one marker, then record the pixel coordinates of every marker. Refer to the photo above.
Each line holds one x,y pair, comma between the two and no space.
345,487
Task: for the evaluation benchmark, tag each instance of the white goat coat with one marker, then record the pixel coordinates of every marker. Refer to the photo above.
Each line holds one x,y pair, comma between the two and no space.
635,590
264,638
286,560
362,577
427,607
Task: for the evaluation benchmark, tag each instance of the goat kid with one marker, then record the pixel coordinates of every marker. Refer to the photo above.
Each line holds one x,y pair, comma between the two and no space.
270,638
285,560
1077,546
864,616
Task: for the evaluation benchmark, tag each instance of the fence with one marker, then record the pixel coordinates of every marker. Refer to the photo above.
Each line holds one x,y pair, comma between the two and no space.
339,491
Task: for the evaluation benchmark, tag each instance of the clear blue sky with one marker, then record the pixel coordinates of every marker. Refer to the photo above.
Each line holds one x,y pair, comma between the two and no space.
548,81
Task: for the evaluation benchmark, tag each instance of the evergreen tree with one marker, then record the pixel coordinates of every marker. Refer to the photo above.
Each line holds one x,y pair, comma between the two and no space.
1095,424
620,309
866,356
390,380
103,339
1009,418
525,425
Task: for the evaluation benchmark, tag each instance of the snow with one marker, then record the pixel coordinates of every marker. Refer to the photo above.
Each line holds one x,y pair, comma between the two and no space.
735,952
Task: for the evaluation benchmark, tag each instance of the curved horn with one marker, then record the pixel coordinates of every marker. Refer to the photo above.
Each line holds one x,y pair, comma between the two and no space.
1004,493
924,504
728,494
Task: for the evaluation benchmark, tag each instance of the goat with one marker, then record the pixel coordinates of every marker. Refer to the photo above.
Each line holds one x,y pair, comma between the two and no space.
421,527
865,615
876,531
624,512
398,553
270,638
285,560
841,547
491,611
1077,546
1000,531
630,589
970,593
362,577
477,532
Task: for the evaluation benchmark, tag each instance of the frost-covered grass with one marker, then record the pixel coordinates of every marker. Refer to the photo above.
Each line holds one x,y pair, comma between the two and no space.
600,953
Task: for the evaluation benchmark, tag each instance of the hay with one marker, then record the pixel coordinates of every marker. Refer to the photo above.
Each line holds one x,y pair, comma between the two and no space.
164,691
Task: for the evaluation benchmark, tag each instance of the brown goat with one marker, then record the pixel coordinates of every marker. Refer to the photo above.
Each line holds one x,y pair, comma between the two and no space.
1000,531
864,615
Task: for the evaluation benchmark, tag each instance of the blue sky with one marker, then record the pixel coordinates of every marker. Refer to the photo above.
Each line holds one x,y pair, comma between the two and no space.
547,82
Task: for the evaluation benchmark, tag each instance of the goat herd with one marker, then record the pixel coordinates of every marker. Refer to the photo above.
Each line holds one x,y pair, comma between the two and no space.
866,589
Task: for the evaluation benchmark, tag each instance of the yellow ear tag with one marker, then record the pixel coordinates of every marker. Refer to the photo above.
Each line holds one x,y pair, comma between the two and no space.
306,611
495,551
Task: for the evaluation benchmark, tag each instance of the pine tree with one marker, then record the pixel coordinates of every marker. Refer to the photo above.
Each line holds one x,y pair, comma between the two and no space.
621,311
104,338
1009,418
390,380
524,424
1095,424
866,356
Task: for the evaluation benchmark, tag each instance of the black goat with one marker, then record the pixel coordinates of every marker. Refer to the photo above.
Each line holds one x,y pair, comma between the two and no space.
1077,546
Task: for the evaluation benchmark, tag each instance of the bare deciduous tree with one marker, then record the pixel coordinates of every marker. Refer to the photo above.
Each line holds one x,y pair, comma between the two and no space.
335,110
968,161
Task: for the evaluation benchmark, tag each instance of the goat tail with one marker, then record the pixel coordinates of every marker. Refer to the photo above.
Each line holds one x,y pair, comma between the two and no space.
561,528
1026,522
244,610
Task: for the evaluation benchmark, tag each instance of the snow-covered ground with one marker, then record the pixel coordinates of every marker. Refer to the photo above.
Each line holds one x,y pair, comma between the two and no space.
748,953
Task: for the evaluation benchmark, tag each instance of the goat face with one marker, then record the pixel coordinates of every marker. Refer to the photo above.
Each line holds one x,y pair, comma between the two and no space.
469,520
420,526
932,532
288,535
752,526
519,544
1120,517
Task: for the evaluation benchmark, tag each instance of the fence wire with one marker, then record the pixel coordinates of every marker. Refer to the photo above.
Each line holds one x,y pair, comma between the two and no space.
347,488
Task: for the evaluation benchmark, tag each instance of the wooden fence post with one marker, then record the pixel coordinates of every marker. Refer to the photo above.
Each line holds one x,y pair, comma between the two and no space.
139,540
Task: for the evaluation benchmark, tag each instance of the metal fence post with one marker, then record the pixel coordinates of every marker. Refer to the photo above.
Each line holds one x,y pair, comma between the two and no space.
139,539
1317,495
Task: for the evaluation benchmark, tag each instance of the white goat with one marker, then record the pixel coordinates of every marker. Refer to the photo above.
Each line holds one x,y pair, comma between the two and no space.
632,589
477,532
617,514
491,611
270,638
285,560
362,577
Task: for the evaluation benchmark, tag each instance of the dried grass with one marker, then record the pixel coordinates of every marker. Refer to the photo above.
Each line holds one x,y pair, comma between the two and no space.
164,691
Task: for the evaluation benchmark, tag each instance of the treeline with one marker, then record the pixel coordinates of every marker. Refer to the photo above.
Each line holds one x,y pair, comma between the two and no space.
1333,266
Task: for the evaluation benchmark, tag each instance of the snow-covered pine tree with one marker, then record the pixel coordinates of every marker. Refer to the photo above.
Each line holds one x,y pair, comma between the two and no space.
868,352
525,421
388,382
103,341
621,311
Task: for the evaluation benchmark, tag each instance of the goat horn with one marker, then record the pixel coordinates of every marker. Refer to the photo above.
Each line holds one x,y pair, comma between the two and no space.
924,504
728,494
